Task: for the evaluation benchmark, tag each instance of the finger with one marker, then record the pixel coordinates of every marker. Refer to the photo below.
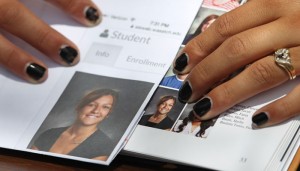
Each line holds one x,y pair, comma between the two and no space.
236,52
278,111
18,20
84,11
227,25
21,63
260,76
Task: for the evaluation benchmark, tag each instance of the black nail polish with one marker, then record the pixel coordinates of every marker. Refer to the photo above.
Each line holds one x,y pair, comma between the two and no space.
260,118
35,71
202,106
185,92
68,54
181,62
92,14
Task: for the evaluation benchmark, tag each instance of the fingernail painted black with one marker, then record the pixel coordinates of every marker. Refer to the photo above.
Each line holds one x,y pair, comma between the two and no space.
202,106
185,92
181,62
92,14
260,118
35,71
68,54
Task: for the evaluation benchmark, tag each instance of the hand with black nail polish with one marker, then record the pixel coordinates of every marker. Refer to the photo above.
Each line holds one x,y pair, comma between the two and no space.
239,56
14,20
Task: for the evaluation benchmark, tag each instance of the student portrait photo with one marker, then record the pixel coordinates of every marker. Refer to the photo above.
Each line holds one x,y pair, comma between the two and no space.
173,80
162,110
204,18
91,116
189,124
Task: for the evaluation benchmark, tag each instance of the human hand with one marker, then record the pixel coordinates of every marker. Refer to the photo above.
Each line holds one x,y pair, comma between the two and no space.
247,36
21,22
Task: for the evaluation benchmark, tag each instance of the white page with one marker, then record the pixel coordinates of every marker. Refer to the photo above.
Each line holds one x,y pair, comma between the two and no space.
152,32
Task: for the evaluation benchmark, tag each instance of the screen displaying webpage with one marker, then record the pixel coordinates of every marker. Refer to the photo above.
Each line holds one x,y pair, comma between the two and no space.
122,62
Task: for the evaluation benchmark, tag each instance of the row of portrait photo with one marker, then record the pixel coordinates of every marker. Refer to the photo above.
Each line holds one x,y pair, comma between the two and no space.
204,18
165,112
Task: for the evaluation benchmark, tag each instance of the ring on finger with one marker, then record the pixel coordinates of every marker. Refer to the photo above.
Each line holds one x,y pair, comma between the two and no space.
282,58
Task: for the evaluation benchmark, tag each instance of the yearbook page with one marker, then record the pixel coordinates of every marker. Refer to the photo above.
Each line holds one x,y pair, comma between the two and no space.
122,62
227,142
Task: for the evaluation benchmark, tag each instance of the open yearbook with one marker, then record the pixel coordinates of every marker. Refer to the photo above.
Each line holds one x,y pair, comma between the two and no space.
123,69
227,142
122,62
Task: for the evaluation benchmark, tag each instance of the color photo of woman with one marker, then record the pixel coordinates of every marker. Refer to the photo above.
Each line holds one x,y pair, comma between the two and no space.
189,124
83,138
162,110
160,118
89,117
192,126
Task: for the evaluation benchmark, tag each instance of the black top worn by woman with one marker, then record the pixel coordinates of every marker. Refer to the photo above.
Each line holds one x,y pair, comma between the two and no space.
97,144
166,123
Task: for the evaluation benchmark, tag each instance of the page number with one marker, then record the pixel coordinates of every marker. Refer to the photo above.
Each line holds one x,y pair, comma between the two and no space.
243,160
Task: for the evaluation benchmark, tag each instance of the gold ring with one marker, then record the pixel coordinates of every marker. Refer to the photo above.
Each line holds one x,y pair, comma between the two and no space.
283,59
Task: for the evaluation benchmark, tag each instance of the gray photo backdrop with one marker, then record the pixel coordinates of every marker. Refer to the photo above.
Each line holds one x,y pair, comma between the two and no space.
131,96
162,91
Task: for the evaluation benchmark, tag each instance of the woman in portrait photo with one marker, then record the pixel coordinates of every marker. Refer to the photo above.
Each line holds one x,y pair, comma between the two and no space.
202,27
160,118
83,138
193,126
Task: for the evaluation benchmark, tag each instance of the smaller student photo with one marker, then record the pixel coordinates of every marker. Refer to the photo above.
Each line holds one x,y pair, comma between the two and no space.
204,18
173,80
162,110
189,124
